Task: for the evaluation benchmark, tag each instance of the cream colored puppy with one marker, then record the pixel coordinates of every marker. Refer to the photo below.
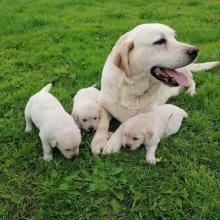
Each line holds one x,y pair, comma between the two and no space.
86,109
57,128
149,128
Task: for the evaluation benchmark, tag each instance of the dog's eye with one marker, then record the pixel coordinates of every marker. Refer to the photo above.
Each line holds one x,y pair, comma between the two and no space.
84,119
95,118
68,149
161,41
135,139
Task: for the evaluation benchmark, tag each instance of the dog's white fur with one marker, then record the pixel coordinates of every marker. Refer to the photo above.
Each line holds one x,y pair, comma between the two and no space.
127,86
149,128
57,127
86,109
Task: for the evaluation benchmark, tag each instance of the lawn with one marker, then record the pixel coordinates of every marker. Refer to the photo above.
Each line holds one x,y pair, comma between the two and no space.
66,42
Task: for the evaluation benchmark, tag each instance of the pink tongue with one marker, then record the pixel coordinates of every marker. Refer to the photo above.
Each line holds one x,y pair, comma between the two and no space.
181,79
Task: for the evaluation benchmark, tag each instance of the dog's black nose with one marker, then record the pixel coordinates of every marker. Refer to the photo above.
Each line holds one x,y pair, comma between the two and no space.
91,128
193,52
127,146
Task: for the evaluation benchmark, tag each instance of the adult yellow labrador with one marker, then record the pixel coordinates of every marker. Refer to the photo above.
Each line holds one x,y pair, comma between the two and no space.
145,68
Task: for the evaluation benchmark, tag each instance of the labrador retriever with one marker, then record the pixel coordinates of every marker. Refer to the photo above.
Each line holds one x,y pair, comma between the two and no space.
149,128
57,127
86,108
146,67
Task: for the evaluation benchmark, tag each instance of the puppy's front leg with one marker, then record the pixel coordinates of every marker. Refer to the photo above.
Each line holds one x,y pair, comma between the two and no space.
47,151
101,135
150,154
114,143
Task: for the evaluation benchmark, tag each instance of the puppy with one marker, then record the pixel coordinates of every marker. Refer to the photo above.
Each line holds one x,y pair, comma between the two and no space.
57,128
86,109
149,128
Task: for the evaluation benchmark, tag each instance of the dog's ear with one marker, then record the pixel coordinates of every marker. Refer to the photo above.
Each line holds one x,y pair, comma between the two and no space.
75,118
121,59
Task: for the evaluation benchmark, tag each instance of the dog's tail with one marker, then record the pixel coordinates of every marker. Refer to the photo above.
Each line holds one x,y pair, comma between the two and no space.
46,88
196,67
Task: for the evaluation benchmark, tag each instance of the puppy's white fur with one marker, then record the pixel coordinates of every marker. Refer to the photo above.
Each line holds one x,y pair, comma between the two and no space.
149,128
57,128
128,86
86,109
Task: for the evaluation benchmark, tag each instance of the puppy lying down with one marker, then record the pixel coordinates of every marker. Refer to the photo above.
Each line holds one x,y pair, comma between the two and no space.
86,109
149,128
57,128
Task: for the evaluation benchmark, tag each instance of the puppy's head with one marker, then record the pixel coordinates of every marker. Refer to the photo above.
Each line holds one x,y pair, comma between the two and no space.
133,136
152,49
67,141
87,115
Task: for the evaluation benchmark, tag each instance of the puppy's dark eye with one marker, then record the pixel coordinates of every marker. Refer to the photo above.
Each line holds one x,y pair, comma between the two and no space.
159,42
135,139
84,119
68,149
95,118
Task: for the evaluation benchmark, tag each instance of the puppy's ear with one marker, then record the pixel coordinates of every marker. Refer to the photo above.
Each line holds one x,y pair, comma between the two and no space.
75,117
121,59
53,142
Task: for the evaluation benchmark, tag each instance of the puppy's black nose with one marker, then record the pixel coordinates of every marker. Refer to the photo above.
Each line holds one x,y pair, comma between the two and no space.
91,128
193,52
127,146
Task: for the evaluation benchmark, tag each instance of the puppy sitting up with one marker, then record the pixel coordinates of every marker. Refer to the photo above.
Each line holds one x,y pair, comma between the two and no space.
149,128
57,128
86,109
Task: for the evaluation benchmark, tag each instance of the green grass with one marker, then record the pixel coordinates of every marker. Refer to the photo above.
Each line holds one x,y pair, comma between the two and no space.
66,42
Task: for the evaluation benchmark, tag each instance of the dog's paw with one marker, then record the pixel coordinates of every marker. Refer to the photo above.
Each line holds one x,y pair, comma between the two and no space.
48,157
111,148
98,145
151,160
28,129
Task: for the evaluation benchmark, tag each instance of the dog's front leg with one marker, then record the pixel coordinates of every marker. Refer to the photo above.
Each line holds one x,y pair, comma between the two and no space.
150,154
114,143
100,138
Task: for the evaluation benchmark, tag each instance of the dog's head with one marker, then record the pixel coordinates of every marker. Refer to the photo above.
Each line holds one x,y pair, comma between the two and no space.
67,141
152,49
87,116
133,136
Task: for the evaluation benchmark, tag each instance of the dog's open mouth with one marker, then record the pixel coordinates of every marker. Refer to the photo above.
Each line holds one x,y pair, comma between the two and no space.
170,77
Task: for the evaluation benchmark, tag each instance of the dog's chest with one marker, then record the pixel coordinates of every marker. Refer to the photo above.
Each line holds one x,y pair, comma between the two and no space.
138,97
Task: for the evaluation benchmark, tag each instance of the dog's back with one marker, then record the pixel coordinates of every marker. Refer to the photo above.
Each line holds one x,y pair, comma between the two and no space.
172,117
42,104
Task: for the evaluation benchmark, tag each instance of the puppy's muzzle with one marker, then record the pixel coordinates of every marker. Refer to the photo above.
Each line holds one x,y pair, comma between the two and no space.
91,128
127,146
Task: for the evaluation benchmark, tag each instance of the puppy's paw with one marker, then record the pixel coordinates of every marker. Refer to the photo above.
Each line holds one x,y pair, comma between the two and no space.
151,160
98,145
48,157
28,129
111,148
